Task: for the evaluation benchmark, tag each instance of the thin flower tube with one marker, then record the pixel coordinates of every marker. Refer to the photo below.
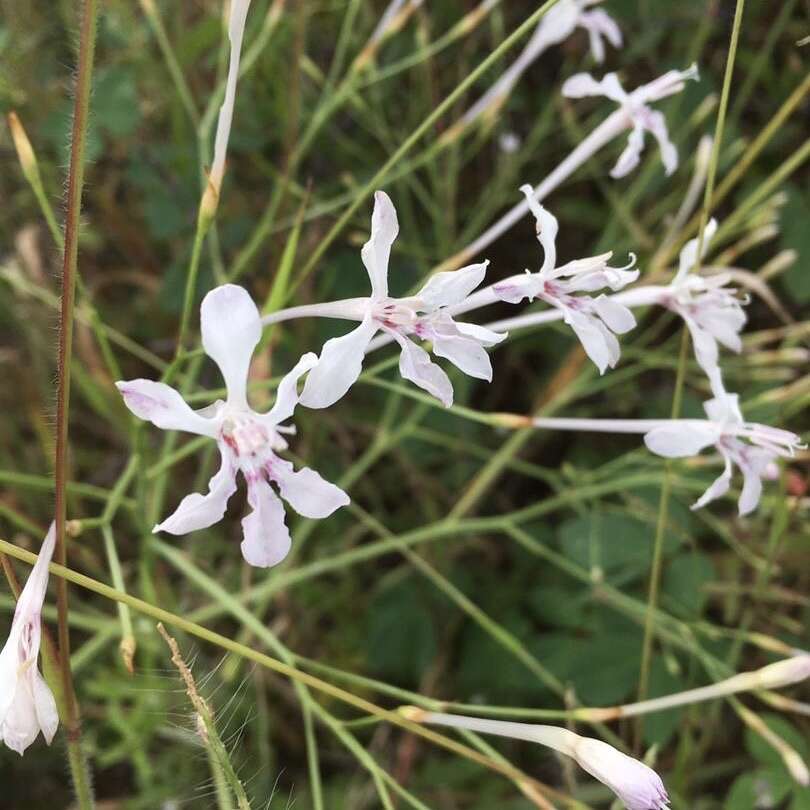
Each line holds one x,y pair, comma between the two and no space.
636,785
424,315
27,705
248,442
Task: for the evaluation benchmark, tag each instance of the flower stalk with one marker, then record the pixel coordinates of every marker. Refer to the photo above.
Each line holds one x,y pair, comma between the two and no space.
75,185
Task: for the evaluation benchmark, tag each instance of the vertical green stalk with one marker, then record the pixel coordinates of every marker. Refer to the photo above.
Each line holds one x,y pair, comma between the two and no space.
655,573
81,105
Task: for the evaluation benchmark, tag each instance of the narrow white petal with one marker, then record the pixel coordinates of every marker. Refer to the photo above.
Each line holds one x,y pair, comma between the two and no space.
338,367
480,333
546,226
444,289
514,290
231,329
630,157
618,317
197,511
287,391
20,725
44,706
377,251
657,125
592,339
679,440
465,354
718,488
33,593
415,365
581,85
305,490
688,256
266,536
164,407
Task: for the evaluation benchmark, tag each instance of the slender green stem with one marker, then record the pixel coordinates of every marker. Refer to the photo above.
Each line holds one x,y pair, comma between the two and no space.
519,33
282,668
75,184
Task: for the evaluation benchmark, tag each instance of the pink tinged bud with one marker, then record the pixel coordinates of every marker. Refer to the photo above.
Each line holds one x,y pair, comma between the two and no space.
27,705
784,673
638,786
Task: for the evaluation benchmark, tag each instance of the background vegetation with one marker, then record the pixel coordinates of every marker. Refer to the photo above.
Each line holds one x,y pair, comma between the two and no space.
533,592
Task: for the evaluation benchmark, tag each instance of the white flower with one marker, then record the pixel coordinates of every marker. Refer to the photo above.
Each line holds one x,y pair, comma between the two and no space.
423,315
641,117
725,429
637,786
559,22
247,441
712,312
27,705
596,321
565,16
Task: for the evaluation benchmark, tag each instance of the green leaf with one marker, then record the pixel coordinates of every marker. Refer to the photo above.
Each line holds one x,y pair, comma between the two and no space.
684,579
401,636
761,788
796,236
115,102
618,544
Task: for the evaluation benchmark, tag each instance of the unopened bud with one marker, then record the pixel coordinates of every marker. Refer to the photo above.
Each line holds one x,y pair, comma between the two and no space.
412,713
25,152
783,673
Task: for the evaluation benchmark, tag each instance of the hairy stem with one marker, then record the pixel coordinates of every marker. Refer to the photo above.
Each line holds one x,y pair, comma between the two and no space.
81,106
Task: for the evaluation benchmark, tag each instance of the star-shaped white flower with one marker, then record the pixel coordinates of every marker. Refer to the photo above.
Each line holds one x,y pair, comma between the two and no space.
641,117
27,705
712,312
247,441
596,321
566,15
423,315
725,428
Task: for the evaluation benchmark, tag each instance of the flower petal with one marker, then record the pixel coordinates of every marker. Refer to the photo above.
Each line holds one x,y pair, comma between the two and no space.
164,407
338,367
680,440
415,365
594,340
377,251
465,354
44,706
197,511
444,289
581,85
287,391
618,317
688,256
266,536
630,157
546,226
514,290
718,488
231,329
20,726
305,490
657,125
480,333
